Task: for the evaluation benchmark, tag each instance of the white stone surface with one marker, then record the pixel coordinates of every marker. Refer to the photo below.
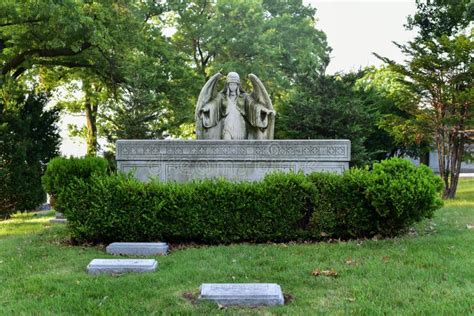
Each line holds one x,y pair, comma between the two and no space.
58,221
137,248
244,294
237,160
114,266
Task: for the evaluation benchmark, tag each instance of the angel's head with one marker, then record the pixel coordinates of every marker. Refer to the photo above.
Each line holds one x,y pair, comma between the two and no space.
232,84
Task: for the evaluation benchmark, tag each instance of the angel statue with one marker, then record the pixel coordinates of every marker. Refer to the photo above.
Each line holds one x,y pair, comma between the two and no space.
232,113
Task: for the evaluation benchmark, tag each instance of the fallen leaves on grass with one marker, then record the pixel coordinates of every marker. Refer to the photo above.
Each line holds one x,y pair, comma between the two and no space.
349,261
329,273
386,259
469,226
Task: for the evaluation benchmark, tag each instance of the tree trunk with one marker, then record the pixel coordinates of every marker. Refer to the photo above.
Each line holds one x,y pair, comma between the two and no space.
425,159
91,124
450,154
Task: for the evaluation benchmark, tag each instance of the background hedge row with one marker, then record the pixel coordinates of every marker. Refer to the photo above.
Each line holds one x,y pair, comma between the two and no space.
283,206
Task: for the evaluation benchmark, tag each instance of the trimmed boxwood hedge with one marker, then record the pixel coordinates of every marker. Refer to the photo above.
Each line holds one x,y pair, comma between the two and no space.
61,171
283,206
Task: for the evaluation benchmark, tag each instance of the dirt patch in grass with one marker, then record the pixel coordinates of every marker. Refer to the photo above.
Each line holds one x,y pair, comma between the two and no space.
191,297
288,298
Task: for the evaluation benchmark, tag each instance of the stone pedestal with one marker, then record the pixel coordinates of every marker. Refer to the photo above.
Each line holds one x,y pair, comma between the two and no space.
184,160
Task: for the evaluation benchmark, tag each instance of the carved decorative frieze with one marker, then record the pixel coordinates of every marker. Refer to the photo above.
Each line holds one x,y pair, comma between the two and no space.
312,150
171,160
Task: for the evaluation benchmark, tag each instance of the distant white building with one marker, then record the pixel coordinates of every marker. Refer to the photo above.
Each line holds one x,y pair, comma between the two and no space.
466,167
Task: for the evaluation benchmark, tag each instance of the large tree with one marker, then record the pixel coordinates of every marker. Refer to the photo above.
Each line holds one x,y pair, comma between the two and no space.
101,44
439,72
395,107
28,140
340,106
276,40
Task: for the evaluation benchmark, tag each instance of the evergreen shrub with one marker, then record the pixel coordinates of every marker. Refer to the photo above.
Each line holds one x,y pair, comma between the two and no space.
400,194
281,207
61,171
29,138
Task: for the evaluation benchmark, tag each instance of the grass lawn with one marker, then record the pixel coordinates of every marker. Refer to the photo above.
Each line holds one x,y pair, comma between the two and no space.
429,271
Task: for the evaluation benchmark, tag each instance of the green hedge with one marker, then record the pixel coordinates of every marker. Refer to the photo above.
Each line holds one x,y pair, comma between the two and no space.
61,171
281,207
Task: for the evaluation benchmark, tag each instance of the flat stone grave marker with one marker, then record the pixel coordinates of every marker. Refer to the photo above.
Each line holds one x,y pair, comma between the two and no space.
137,248
116,266
58,221
244,294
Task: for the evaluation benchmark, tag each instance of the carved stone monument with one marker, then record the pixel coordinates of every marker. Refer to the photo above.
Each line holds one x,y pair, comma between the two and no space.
234,132
232,114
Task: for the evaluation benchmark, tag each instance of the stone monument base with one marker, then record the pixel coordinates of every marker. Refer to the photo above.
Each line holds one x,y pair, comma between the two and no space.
184,160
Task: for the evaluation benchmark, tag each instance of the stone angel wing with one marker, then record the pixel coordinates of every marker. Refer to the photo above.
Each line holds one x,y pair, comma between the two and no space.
207,114
261,114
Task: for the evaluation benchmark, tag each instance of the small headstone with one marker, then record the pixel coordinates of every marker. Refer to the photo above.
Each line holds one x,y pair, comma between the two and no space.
137,248
117,266
245,294
58,221
59,215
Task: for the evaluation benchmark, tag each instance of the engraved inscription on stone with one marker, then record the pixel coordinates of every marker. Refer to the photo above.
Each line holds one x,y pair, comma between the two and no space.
244,149
247,294
137,248
237,160
116,266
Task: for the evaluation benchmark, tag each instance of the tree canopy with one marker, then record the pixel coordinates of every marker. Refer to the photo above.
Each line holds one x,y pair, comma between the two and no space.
114,49
276,40
439,75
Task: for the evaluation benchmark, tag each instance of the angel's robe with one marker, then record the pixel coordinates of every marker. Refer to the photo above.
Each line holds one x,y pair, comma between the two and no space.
234,125
257,114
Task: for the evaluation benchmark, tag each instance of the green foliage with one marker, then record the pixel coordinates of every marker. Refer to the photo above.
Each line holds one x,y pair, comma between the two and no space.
396,114
132,80
335,107
90,36
62,171
385,200
281,207
340,207
441,17
401,193
435,258
28,139
276,40
438,72
207,211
